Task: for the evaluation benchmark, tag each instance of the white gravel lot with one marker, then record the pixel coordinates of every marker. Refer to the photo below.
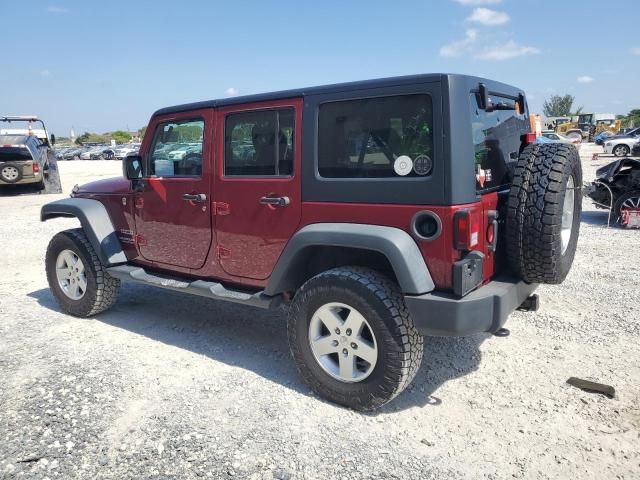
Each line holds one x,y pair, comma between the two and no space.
171,386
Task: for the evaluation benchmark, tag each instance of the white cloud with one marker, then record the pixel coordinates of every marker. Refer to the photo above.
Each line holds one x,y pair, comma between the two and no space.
455,49
45,73
584,79
231,92
55,9
635,50
478,2
505,52
486,16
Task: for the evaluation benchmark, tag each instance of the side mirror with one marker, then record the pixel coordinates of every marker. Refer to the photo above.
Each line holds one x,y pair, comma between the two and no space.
53,139
132,167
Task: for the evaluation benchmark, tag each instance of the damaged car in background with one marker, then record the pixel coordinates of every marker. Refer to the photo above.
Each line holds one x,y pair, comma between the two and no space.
617,189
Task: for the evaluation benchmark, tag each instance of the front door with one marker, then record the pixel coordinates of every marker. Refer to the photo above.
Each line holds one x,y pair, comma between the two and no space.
172,210
257,184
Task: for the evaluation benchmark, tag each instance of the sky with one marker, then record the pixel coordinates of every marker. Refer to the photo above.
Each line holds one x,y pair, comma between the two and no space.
102,66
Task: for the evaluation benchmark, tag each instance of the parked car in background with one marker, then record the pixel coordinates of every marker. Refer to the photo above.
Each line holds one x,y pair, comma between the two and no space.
124,150
103,153
557,137
635,150
73,153
602,137
617,186
23,159
620,146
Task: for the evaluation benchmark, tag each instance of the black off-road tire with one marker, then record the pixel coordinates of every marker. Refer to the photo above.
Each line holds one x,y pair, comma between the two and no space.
11,180
400,346
617,206
534,214
102,288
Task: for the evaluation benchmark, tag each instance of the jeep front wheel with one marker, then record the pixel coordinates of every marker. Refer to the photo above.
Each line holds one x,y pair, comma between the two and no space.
78,280
352,338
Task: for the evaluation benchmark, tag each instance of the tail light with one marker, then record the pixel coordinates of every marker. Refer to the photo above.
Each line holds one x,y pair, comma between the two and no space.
466,229
528,138
36,167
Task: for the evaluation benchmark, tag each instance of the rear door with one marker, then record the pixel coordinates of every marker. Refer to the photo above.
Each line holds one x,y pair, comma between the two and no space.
257,184
172,210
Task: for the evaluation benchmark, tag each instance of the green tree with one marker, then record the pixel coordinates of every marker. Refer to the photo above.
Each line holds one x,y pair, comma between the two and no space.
559,106
141,132
120,136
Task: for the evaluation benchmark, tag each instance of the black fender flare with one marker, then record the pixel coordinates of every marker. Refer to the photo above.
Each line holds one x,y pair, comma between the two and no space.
95,222
395,244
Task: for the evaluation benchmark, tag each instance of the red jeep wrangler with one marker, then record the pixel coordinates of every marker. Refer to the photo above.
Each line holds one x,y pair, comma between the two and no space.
377,211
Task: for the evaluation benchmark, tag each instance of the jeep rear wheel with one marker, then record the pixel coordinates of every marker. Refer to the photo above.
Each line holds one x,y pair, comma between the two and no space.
543,217
78,280
352,338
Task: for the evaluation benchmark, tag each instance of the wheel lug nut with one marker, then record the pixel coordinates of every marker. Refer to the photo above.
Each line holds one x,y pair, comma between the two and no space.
337,331
344,351
348,331
354,346
334,343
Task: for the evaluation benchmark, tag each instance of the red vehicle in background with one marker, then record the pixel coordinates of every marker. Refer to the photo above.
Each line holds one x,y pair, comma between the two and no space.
377,211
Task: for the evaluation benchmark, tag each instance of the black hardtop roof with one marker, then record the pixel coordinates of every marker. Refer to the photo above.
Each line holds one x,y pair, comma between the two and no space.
327,89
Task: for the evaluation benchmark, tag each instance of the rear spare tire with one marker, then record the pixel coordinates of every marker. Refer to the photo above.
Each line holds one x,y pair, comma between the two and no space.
543,215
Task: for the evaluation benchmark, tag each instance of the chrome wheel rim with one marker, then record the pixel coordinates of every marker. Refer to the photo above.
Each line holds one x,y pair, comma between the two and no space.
567,214
71,275
620,150
342,342
10,173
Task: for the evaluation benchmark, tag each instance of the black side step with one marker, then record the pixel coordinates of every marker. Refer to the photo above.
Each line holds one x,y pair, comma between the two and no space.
202,288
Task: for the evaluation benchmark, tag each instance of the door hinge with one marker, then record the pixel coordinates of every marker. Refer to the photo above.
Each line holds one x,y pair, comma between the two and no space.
222,252
221,208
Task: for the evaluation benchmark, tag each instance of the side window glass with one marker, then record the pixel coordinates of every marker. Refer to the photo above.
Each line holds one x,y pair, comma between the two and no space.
384,137
496,140
259,143
176,150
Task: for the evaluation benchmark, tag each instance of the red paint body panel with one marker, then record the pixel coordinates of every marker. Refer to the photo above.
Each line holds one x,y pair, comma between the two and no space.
169,229
439,254
113,186
254,235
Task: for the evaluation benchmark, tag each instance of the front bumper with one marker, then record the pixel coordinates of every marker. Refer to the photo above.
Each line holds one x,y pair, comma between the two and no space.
483,310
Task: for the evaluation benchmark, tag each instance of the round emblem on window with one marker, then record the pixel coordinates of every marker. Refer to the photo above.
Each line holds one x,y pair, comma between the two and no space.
403,165
423,165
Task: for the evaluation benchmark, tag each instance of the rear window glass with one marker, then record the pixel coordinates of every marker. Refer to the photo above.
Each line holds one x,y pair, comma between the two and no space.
376,137
13,140
496,140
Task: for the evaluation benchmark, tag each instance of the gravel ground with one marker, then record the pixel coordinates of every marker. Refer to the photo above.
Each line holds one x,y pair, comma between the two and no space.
170,386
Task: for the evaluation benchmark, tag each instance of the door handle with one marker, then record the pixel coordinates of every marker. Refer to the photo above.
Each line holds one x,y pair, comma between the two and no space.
194,197
275,201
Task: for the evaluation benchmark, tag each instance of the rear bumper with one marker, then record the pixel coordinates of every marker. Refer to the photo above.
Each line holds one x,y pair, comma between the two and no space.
483,310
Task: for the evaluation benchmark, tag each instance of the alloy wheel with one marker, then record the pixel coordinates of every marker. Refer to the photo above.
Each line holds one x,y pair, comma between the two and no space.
71,275
342,342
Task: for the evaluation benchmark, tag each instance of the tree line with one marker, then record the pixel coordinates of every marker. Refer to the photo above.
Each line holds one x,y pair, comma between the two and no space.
562,106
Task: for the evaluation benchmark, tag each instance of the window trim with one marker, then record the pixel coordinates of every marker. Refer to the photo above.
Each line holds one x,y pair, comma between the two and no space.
160,123
396,178
277,163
